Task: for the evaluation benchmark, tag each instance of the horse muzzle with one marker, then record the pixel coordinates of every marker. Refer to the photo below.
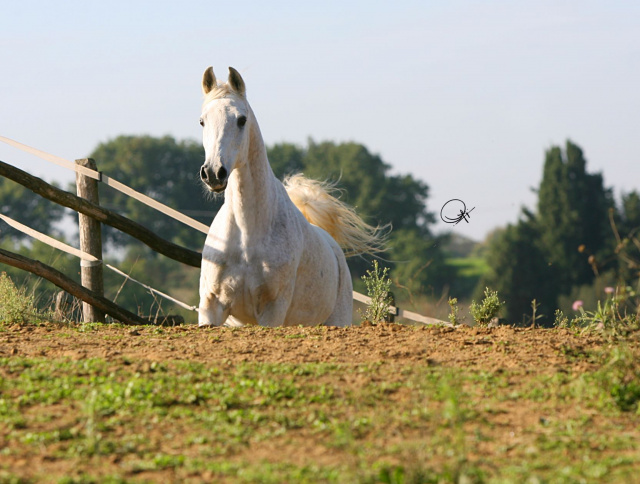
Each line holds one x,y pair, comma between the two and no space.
215,178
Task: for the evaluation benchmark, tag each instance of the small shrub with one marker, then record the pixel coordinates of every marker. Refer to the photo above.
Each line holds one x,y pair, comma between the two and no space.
453,315
15,305
488,309
378,289
561,321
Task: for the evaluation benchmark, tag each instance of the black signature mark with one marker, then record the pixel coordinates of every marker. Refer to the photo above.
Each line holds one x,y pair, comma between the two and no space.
463,213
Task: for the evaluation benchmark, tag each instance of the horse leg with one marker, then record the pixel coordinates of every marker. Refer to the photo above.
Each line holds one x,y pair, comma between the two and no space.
274,313
232,322
343,310
211,312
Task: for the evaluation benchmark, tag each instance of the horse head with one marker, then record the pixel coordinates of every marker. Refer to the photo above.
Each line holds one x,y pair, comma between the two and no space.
226,119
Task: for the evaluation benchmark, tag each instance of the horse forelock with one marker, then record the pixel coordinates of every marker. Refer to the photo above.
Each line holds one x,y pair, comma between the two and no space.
219,92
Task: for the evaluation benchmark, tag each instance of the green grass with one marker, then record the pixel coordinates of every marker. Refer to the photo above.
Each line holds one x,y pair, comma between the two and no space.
469,271
16,306
472,267
250,422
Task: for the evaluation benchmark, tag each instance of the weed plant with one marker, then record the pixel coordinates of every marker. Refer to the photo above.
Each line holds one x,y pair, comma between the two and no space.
378,289
610,318
488,309
16,306
453,315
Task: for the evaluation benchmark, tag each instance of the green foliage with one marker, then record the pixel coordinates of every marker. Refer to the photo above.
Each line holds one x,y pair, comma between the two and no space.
453,315
561,321
624,381
573,208
15,305
469,271
22,205
419,265
167,171
488,309
517,266
612,318
378,289
630,214
42,289
627,235
619,378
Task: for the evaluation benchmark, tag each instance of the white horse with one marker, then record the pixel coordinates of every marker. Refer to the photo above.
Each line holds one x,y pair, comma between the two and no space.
273,254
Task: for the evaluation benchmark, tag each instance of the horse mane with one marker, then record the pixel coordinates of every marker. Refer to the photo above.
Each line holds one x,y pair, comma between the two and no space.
319,203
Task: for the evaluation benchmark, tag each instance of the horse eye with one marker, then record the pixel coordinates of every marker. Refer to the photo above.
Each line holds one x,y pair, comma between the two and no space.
242,120
202,122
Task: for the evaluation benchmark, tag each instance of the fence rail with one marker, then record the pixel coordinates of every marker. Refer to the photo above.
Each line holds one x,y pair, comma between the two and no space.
101,214
70,286
101,177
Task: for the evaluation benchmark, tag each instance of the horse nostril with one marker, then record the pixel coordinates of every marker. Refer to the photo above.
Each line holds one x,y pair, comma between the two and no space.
222,173
203,174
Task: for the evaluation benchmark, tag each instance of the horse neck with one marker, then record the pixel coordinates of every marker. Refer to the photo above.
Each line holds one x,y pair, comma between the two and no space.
252,191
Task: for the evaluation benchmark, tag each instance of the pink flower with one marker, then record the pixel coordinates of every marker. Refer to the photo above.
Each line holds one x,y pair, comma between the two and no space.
577,305
609,290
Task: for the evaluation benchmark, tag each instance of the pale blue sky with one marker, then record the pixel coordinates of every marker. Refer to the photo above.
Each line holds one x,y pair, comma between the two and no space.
465,95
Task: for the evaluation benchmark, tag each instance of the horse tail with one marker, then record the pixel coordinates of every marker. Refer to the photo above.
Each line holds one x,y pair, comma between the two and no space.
319,203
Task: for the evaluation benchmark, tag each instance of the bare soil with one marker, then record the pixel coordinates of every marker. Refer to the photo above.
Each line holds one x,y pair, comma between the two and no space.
539,350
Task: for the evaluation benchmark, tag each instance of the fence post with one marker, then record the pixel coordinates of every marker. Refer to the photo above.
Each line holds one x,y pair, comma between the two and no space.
90,242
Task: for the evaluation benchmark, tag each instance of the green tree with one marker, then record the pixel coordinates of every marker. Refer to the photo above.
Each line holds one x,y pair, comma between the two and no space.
286,159
418,263
628,240
21,204
573,208
630,214
519,271
164,169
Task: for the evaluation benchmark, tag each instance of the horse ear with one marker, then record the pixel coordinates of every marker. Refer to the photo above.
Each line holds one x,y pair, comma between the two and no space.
236,82
208,81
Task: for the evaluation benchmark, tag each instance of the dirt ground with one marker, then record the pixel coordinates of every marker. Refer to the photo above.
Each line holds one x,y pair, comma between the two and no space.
463,346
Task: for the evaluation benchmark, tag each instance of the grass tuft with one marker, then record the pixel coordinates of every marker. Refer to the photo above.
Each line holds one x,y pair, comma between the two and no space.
16,306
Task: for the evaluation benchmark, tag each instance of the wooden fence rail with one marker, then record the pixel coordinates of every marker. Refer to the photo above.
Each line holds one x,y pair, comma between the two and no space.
61,197
59,279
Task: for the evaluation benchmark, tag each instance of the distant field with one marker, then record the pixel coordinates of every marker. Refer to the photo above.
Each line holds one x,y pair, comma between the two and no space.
469,266
374,404
470,271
